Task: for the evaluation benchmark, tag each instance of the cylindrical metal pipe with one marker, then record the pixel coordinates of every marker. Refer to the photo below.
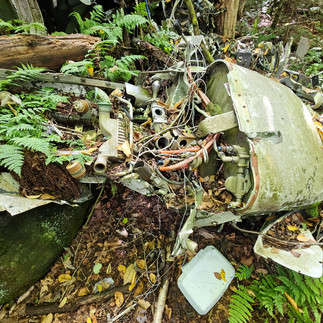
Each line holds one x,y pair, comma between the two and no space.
100,164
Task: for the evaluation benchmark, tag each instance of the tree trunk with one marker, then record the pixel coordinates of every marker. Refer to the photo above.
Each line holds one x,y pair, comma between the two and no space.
227,21
44,51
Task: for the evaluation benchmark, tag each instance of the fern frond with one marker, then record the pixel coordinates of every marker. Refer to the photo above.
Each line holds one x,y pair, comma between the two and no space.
12,157
240,308
30,28
97,14
79,20
244,272
36,144
130,22
24,73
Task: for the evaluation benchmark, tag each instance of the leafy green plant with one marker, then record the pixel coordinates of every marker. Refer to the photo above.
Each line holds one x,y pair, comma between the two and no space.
24,73
25,128
244,272
111,33
19,26
287,293
79,68
119,69
162,40
240,309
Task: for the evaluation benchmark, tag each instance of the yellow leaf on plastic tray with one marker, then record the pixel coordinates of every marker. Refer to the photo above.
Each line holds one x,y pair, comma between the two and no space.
129,274
301,237
125,148
118,296
63,302
292,227
221,275
64,277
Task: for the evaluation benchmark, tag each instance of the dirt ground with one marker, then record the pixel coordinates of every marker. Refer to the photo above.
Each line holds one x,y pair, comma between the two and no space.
129,231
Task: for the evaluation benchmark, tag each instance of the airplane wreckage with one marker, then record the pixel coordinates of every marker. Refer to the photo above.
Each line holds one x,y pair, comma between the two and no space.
240,143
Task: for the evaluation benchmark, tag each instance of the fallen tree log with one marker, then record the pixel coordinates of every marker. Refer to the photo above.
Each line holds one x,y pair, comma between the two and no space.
150,50
85,300
44,51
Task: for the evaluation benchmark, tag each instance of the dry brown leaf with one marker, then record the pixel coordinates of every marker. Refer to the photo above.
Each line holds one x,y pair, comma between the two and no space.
83,291
48,318
293,302
122,268
274,250
261,271
141,263
129,274
47,197
93,317
118,297
301,237
144,304
32,197
247,261
152,278
295,253
64,277
109,269
139,289
168,311
125,148
63,302
133,282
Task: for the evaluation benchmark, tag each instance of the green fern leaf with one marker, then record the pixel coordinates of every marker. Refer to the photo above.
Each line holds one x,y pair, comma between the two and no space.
12,157
237,313
244,272
238,300
36,144
242,291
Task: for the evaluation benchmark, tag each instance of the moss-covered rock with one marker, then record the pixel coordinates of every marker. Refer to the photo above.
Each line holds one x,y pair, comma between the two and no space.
31,242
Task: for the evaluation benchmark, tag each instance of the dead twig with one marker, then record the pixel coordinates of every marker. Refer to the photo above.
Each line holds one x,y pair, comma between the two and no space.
128,309
160,306
96,202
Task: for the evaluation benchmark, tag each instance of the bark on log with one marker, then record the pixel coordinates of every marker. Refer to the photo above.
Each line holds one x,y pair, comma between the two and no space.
227,21
44,51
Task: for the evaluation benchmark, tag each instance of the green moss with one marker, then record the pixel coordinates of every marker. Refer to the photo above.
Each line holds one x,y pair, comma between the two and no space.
313,210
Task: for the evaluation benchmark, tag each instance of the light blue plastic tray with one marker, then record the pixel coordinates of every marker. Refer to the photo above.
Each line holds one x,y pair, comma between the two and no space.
199,284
